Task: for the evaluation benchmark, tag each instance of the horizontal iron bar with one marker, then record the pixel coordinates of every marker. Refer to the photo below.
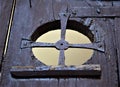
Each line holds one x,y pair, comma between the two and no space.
56,71
94,46
42,44
30,44
95,11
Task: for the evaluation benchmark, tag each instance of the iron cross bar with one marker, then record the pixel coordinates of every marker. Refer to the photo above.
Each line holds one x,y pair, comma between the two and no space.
63,20
61,44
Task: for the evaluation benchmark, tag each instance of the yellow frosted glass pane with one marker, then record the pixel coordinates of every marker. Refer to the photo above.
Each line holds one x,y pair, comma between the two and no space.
73,56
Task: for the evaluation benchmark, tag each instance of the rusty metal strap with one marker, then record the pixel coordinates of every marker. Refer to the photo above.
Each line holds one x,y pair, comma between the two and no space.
95,11
30,44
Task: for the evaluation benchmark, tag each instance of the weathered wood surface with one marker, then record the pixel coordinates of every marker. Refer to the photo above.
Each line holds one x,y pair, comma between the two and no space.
96,12
117,36
5,11
30,15
92,71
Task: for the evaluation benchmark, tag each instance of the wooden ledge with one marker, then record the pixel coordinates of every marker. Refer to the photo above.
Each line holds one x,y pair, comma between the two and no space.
56,71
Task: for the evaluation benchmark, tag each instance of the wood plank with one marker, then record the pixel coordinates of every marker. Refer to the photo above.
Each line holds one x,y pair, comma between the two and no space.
117,36
93,71
5,11
27,18
87,8
58,4
53,82
109,61
116,3
90,3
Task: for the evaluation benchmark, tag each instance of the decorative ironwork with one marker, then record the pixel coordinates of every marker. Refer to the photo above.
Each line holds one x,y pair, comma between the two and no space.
61,44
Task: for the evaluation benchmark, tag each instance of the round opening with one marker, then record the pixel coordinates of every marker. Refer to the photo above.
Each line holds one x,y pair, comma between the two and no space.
76,33
61,44
71,24
73,56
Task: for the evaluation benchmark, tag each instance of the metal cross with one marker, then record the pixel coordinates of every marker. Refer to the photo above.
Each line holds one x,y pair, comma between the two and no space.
61,44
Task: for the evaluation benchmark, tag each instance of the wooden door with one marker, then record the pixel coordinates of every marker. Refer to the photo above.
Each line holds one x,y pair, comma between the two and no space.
32,18
5,16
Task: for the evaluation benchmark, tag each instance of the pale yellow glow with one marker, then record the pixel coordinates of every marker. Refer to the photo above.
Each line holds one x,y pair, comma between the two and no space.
73,56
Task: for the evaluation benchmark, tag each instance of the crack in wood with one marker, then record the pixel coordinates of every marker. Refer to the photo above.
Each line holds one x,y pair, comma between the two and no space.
30,3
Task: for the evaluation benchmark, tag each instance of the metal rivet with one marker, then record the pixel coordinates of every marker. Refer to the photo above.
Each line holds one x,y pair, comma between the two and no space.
64,15
98,10
74,12
25,44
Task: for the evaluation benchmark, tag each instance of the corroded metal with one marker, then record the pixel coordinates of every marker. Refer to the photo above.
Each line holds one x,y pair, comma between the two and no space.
63,19
95,46
61,44
30,44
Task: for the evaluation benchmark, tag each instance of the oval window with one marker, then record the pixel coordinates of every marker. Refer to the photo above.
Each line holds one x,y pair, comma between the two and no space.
73,56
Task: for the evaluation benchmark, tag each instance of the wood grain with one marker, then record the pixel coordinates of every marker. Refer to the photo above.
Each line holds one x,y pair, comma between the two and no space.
5,11
117,31
92,71
31,15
